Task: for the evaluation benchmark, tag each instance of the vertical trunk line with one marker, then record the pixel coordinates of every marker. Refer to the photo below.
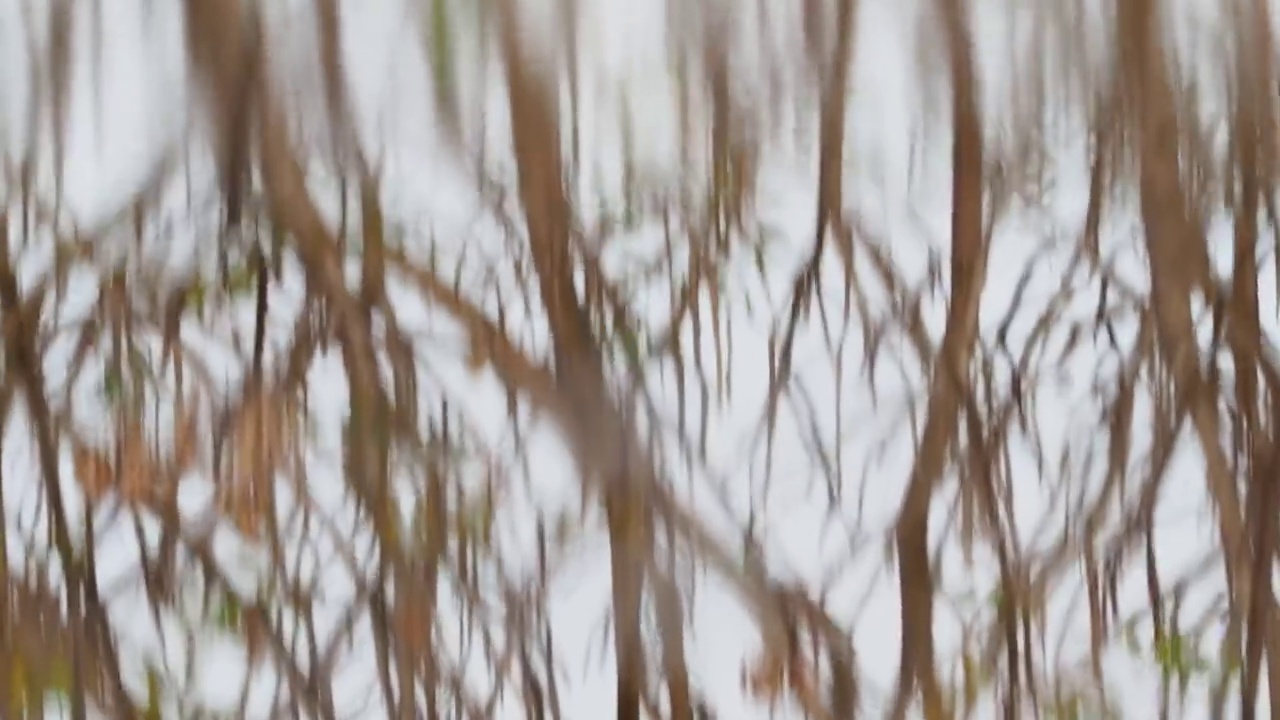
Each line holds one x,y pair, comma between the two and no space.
599,434
950,378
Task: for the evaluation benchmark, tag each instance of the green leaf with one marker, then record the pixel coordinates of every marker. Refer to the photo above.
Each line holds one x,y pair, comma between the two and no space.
630,345
1168,653
1177,656
996,599
196,296
112,384
971,681
17,684
1131,639
152,711
241,280
441,49
442,61
58,683
228,613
